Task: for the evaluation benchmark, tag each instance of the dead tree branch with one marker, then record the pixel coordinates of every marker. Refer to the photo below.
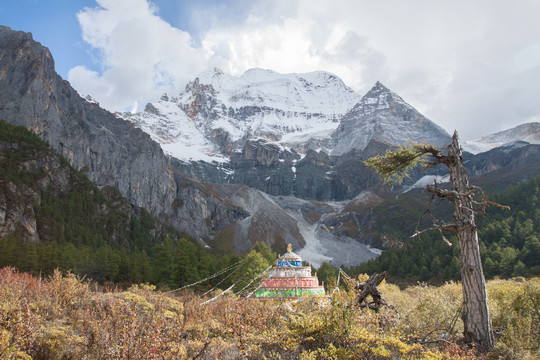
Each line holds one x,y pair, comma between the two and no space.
369,288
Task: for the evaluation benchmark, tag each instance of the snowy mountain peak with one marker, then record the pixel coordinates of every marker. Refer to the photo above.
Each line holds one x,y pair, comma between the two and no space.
377,89
529,132
384,116
217,112
315,92
379,97
210,75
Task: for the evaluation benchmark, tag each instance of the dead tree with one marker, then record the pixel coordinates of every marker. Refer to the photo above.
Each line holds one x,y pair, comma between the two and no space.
369,288
393,166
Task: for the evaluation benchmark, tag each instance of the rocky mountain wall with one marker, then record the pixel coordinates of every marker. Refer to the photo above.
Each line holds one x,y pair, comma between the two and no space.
109,150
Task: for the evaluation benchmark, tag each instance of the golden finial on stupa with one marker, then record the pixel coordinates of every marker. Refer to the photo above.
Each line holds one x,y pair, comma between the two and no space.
289,247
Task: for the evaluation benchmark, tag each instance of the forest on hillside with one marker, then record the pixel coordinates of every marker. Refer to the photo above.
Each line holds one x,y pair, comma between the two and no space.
509,239
86,230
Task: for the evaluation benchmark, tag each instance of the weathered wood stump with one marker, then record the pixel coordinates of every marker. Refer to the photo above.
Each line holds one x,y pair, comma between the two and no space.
369,288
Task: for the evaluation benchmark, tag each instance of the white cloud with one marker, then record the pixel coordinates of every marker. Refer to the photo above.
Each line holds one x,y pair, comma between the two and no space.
142,55
471,66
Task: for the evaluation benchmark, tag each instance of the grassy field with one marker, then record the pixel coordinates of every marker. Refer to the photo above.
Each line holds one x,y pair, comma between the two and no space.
65,317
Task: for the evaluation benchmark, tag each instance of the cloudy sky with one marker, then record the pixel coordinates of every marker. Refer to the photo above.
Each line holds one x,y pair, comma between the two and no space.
468,65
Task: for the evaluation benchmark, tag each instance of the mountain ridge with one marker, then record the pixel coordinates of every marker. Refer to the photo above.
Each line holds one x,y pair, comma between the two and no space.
294,111
528,132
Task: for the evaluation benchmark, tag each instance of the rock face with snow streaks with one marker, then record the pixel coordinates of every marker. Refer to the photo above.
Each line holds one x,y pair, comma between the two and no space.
383,116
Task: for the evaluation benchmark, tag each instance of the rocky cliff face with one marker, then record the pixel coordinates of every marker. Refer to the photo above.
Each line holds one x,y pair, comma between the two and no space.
109,150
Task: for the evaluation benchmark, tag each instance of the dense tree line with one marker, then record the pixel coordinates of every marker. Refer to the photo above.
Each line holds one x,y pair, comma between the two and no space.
90,231
509,243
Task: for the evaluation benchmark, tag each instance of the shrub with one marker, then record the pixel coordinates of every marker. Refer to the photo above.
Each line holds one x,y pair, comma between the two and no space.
66,317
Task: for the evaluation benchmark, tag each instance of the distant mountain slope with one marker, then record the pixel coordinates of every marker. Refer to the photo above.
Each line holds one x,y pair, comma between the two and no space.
529,133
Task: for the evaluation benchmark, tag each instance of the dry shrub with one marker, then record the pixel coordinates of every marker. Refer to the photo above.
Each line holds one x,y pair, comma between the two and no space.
20,321
428,312
515,312
64,317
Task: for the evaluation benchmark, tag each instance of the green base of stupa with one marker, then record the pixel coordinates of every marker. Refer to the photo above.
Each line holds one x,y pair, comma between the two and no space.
289,293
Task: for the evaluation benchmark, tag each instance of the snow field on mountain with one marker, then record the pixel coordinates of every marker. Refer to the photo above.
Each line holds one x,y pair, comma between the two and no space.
315,92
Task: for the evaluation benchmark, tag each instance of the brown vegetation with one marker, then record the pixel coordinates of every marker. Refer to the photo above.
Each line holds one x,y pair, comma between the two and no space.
65,317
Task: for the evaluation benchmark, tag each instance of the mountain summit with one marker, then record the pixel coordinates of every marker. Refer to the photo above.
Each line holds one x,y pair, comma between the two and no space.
384,116
217,113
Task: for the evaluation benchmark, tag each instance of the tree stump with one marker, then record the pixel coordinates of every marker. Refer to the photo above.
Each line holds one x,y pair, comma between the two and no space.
369,288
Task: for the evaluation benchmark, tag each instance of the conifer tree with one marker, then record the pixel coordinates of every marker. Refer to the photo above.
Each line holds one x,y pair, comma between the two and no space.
393,167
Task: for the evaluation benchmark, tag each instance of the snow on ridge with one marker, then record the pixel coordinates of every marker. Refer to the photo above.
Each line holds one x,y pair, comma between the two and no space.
314,92
529,132
178,135
289,108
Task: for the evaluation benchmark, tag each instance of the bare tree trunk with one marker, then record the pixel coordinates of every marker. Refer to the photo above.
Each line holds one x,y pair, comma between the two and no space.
476,318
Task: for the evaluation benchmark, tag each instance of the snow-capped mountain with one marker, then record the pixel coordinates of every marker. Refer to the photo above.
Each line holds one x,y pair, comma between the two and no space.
217,112
529,133
382,115
285,134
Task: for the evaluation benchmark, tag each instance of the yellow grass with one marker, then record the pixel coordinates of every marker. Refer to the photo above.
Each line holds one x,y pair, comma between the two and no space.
64,317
